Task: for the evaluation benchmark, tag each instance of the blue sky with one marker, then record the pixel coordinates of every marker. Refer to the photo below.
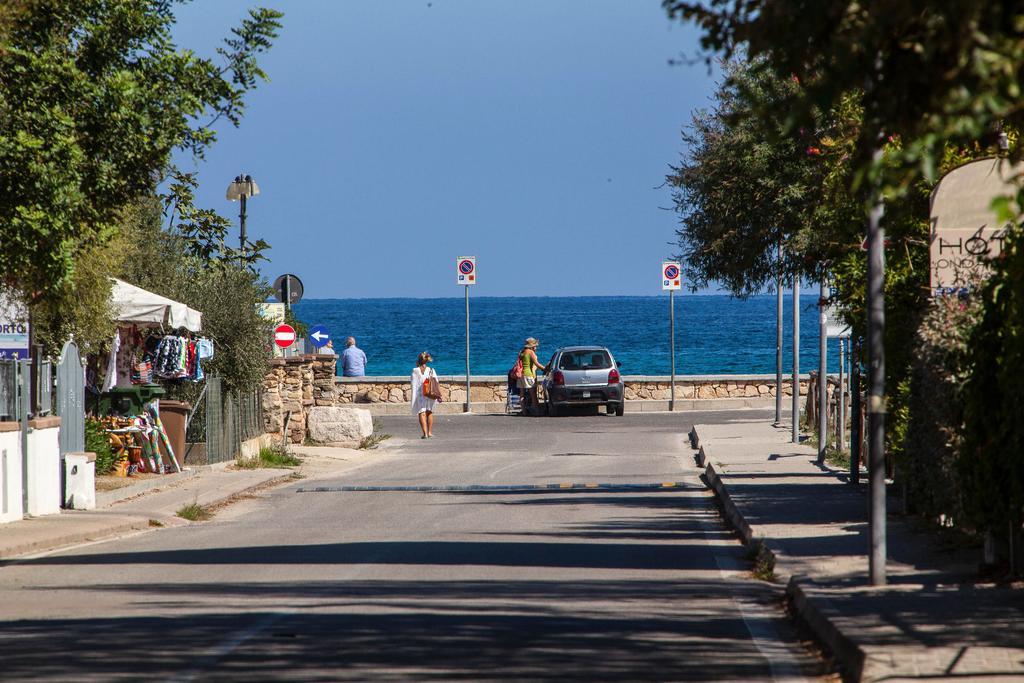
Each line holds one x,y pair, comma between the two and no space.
394,136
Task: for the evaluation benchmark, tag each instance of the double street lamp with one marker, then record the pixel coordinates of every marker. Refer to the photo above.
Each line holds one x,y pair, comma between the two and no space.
240,189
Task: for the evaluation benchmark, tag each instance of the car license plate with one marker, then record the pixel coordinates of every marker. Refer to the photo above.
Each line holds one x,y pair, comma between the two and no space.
586,394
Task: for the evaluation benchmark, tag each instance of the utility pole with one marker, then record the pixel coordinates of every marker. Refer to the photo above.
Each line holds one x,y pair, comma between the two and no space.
876,384
241,231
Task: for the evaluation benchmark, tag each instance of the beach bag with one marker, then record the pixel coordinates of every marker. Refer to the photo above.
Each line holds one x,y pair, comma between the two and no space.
431,387
517,370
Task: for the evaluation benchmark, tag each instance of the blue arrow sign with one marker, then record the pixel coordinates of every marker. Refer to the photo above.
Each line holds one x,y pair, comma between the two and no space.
319,336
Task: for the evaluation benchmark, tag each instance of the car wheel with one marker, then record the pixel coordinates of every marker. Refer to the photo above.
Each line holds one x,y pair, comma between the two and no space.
552,409
620,409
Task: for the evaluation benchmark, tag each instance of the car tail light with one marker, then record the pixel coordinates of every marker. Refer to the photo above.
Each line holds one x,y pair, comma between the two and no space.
613,376
558,378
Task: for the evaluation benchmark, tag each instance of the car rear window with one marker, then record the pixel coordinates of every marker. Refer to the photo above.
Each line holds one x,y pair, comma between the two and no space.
585,360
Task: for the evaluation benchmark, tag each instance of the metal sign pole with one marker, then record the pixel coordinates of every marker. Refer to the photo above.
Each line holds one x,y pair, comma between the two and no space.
796,359
841,406
876,387
286,285
672,345
856,425
469,407
822,373
779,296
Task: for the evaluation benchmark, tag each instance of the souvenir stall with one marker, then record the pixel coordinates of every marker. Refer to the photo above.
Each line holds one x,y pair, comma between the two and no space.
157,343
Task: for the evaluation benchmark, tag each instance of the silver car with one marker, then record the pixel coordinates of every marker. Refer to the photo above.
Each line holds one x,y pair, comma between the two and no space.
583,376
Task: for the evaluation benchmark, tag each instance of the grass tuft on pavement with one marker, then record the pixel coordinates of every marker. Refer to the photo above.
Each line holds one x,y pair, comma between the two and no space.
273,457
194,512
763,561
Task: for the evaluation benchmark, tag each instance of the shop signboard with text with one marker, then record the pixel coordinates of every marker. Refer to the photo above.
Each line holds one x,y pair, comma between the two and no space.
14,332
965,230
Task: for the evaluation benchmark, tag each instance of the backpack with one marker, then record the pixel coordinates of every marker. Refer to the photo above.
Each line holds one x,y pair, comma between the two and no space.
517,370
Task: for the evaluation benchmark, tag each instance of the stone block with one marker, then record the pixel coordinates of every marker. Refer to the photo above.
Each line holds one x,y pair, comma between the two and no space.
481,394
337,426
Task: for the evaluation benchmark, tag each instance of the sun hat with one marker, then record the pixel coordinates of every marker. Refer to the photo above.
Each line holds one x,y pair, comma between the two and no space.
531,343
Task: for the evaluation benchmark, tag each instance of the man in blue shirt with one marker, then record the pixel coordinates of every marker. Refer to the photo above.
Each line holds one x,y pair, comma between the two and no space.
353,360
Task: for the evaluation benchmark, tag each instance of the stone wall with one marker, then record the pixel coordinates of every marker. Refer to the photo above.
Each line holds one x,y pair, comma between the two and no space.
292,387
491,389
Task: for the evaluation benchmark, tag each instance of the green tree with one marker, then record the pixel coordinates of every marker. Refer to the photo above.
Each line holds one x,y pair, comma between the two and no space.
931,73
743,189
94,98
747,183
991,462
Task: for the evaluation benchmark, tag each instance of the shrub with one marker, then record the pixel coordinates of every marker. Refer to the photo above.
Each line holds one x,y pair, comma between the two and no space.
96,442
934,408
991,458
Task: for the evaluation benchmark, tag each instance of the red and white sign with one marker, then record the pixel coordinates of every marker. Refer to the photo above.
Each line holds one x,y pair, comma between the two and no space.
671,275
465,270
284,336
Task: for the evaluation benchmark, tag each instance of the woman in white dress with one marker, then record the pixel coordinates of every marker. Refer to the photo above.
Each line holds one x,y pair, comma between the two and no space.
422,406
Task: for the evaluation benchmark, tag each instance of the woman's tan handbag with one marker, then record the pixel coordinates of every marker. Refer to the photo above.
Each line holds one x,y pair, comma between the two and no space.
431,387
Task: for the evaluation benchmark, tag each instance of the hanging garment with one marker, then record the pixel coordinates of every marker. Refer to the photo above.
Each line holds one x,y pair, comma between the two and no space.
110,381
204,349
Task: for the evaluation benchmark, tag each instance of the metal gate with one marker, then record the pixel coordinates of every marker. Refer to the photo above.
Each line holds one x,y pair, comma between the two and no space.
70,403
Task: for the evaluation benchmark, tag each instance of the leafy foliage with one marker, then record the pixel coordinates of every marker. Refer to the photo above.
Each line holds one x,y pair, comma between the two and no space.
991,463
94,97
165,262
747,184
932,73
96,441
935,415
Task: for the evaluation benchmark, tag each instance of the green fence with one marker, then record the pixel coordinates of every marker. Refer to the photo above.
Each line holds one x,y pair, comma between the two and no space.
224,419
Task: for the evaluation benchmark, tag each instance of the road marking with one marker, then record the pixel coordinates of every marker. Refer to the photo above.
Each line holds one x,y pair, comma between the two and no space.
759,621
565,486
227,646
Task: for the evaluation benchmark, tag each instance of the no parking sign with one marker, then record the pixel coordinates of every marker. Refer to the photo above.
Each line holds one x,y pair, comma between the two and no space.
465,270
671,277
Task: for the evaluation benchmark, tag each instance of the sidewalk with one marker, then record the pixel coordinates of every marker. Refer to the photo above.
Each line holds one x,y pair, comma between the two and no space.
152,503
933,621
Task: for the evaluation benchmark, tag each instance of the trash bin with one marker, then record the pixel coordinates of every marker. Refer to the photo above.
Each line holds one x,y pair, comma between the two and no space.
174,415
128,400
80,481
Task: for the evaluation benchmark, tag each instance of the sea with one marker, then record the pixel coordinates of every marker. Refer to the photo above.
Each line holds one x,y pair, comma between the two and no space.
714,334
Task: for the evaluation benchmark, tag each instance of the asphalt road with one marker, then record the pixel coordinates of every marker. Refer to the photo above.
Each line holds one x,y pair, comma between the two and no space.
471,581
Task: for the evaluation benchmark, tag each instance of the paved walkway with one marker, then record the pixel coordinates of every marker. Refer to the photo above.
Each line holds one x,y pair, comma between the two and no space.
933,621
152,503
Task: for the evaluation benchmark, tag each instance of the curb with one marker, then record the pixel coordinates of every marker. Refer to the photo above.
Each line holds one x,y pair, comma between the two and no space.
13,553
140,523
265,484
108,498
817,613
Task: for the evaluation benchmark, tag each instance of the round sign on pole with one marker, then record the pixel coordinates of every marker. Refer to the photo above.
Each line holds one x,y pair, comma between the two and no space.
671,276
284,335
294,288
465,270
319,335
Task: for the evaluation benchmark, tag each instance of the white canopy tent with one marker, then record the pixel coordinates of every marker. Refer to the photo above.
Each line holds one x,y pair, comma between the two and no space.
136,305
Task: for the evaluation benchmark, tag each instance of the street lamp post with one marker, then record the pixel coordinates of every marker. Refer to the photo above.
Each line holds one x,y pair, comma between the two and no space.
240,189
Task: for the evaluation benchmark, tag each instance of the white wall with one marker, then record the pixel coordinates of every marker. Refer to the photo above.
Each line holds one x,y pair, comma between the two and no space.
10,477
44,472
